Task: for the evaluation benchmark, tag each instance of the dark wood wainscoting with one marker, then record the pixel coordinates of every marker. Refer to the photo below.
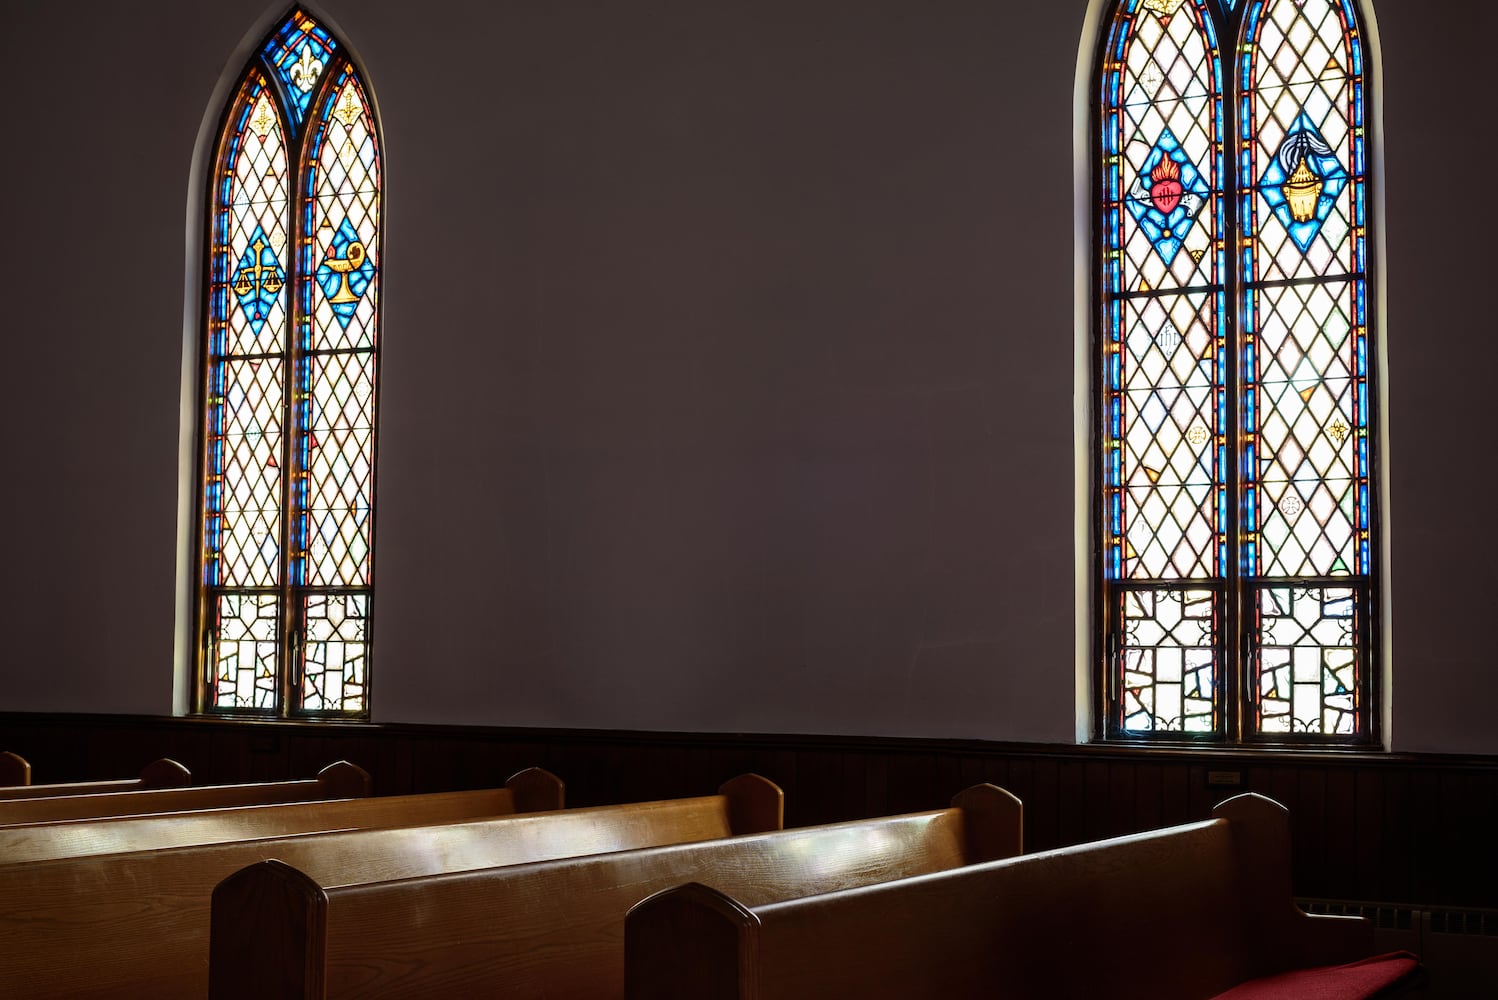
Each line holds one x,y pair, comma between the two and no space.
1397,828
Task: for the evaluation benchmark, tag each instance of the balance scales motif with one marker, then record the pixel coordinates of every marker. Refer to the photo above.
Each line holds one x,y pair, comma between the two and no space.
259,276
259,280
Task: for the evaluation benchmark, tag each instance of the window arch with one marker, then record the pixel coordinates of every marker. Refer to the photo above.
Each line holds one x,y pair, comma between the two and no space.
1234,467
291,351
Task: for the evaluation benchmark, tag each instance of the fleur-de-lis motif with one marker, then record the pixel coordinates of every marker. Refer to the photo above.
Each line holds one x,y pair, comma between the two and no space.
305,73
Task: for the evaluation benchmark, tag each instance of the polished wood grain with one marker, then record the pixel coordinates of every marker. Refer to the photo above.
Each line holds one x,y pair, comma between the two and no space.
1177,914
83,838
161,773
339,780
137,923
14,771
552,929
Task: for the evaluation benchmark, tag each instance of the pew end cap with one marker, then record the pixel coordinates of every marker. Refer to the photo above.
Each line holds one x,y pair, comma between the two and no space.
720,928
755,804
993,822
342,780
165,773
536,790
14,770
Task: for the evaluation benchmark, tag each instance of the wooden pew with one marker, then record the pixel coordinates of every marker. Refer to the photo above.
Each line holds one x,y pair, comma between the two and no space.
552,929
163,773
531,790
14,771
339,780
1178,914
137,924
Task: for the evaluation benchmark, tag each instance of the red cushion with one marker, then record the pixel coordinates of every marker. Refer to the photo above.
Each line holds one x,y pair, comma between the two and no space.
1353,981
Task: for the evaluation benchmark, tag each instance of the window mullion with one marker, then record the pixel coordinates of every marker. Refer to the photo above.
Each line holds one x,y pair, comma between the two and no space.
294,496
1234,640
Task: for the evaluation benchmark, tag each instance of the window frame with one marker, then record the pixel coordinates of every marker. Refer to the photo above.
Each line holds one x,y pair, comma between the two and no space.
1234,699
301,134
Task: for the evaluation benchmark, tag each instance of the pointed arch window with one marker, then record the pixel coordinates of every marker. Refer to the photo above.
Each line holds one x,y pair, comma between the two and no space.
1235,462
291,351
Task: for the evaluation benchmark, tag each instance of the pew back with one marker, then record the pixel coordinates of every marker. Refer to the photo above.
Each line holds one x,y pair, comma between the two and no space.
531,790
137,924
1177,914
552,929
339,780
163,773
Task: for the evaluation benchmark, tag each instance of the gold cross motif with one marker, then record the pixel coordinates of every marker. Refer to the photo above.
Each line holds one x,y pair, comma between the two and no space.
264,117
349,108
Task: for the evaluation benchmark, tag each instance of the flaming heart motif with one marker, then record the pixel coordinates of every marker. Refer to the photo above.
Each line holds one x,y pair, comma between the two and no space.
1165,186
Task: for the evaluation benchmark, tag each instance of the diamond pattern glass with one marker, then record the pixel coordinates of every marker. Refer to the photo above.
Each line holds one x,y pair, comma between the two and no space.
242,509
1306,488
249,527
1169,467
340,469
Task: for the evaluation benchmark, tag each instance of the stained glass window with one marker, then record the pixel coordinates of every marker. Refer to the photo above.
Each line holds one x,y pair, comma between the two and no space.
291,357
1234,468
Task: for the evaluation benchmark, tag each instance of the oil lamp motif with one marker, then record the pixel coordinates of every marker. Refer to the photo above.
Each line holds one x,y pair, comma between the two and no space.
1303,181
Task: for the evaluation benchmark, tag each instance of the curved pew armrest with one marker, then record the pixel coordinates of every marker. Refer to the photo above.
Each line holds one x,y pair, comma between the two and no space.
1261,841
755,804
536,790
342,780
